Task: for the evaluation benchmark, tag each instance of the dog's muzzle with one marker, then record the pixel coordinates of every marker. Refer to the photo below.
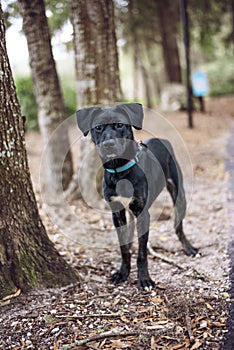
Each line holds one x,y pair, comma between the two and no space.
111,148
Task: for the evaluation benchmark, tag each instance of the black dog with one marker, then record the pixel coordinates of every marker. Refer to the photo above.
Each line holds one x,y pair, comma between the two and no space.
137,172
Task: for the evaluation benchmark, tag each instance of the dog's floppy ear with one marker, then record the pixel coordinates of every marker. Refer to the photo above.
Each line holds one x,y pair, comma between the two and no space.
134,112
85,117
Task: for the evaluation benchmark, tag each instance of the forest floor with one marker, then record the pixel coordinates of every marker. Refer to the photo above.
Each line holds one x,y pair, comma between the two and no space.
188,308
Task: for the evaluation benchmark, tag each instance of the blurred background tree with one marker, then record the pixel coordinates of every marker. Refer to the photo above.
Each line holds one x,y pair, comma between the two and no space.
57,168
151,33
149,39
97,78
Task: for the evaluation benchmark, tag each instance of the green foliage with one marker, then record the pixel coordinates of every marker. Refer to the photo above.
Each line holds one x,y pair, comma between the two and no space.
209,20
57,13
221,76
11,11
24,88
69,97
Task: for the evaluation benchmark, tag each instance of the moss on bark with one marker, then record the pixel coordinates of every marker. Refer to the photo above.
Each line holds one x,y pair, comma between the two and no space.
28,259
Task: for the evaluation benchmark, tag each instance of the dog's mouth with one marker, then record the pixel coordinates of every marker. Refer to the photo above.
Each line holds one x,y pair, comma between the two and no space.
110,152
111,155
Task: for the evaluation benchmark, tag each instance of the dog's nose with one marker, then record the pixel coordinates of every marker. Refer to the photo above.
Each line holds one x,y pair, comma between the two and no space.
108,143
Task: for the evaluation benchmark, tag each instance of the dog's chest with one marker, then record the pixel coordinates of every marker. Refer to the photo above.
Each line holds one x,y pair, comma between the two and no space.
124,193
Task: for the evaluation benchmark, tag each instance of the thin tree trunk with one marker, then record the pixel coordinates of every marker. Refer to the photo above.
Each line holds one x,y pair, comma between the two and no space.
96,57
135,48
232,30
167,12
152,62
84,48
147,88
97,73
27,257
57,170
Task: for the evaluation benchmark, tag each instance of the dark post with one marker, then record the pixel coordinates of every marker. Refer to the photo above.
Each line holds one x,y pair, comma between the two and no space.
184,16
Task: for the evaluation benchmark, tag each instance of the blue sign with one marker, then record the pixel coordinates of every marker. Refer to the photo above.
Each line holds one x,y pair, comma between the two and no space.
200,84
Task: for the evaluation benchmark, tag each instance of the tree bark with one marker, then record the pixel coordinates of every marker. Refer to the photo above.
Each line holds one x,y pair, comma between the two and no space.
27,257
167,13
147,87
96,57
58,169
135,49
97,74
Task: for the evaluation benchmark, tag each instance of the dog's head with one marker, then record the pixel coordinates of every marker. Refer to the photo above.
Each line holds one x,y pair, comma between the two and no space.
111,128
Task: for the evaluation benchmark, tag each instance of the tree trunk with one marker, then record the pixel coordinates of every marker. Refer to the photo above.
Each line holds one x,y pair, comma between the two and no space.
97,73
57,170
168,17
155,80
27,257
147,87
96,57
135,49
232,30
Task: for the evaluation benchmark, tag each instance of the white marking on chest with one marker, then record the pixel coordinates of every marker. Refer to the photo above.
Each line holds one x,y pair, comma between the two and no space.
125,201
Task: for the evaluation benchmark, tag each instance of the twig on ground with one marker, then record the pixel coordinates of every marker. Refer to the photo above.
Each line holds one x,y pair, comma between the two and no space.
7,299
108,334
87,315
93,347
196,274
188,326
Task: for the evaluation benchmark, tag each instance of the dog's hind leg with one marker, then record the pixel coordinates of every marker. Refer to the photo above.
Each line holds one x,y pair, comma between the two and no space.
125,236
176,190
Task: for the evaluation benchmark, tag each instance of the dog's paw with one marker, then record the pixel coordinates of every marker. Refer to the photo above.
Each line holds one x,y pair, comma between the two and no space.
119,277
190,250
146,284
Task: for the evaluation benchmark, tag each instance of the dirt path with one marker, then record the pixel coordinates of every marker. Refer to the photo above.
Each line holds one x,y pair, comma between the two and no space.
188,308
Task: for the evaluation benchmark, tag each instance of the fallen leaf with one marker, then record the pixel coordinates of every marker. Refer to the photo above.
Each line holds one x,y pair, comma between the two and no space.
94,219
157,300
116,302
142,319
219,324
125,319
102,343
159,323
164,238
205,335
226,295
178,346
198,319
119,344
152,343
203,324
209,306
55,346
196,345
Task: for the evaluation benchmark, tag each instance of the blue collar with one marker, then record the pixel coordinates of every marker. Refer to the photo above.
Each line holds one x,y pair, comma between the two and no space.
129,164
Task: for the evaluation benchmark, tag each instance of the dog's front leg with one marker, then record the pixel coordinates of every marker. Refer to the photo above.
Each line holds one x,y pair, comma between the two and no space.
144,280
125,240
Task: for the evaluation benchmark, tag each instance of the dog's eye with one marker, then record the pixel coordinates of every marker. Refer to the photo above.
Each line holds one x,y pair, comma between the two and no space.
119,125
98,128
